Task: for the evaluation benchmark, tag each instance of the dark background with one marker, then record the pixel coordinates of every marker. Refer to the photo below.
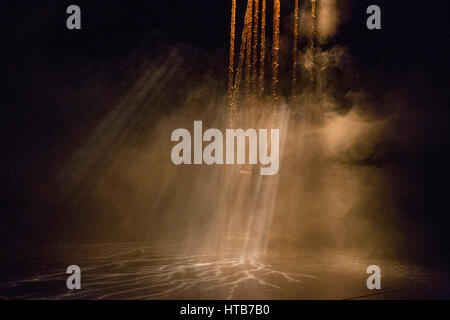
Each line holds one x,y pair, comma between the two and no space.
57,84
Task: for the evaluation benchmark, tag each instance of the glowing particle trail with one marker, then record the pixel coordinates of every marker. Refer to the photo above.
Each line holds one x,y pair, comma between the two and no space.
313,34
294,53
248,16
313,23
232,44
275,48
262,48
248,54
255,41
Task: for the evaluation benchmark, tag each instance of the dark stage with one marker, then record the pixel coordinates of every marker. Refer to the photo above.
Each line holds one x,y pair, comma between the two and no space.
122,151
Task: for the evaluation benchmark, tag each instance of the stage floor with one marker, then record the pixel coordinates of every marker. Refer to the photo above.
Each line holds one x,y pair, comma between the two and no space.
136,271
